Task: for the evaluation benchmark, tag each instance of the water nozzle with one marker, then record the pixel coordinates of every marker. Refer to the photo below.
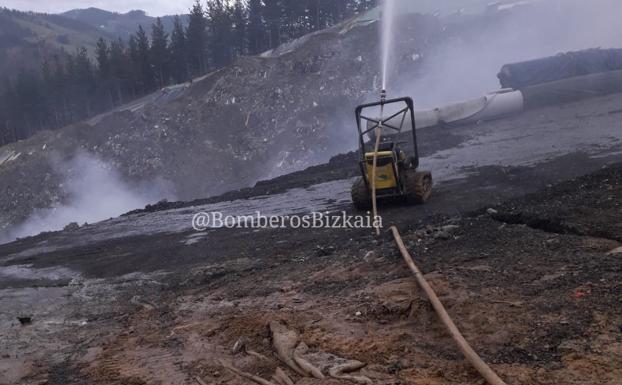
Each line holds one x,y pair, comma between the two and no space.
383,96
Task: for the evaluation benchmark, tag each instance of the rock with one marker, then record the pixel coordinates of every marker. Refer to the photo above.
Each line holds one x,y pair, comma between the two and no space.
450,228
492,211
73,226
239,345
569,346
325,251
615,251
444,235
404,363
369,256
420,234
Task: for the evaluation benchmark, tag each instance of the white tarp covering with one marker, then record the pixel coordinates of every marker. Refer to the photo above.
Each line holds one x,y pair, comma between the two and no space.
493,105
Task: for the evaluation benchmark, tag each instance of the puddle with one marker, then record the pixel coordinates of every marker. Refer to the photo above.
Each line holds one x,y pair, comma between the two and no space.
26,272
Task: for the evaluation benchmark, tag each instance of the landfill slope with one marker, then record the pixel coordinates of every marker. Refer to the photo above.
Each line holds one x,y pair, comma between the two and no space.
259,118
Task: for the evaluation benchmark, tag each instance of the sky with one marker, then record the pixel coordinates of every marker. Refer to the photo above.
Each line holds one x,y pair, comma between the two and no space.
152,7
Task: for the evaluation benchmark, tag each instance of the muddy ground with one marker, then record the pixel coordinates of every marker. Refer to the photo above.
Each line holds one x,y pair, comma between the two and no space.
532,282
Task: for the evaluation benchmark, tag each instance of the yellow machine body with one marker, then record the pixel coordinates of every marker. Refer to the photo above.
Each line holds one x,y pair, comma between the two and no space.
385,169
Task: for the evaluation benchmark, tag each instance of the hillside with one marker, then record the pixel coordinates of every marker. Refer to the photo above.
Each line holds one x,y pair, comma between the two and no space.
114,23
27,37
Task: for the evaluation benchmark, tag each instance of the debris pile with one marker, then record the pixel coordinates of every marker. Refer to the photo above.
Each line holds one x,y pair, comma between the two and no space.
257,119
299,360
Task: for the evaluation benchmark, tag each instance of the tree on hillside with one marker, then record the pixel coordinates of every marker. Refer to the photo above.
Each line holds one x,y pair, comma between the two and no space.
273,12
256,27
146,79
314,12
134,60
51,94
220,42
294,19
358,6
121,72
239,22
9,125
5,134
179,52
60,81
104,79
29,100
101,54
81,84
196,40
159,54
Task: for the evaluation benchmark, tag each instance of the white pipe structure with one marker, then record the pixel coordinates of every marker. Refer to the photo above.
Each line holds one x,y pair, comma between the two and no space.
498,104
491,106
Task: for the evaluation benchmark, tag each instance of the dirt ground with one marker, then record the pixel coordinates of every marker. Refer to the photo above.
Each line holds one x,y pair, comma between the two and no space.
533,283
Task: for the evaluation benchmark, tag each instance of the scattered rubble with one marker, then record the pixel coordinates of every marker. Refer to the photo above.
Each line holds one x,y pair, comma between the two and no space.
71,227
442,232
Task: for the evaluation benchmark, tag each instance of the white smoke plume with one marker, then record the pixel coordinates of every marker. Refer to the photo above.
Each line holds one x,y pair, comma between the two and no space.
94,192
466,66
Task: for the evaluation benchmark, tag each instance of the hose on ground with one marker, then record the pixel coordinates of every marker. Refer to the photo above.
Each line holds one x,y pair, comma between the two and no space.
374,202
474,359
466,349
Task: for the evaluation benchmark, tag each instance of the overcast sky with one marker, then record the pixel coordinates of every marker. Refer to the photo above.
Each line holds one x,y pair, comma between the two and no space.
152,7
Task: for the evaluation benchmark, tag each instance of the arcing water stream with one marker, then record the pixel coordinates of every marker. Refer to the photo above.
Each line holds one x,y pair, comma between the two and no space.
386,25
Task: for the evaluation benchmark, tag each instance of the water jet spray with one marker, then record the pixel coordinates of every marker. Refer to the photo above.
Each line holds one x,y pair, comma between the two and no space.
386,25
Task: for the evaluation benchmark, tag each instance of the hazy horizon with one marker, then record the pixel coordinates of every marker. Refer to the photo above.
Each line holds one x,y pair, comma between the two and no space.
151,7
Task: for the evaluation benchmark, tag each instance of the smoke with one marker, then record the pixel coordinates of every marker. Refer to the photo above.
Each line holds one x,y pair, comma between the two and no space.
94,191
466,65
